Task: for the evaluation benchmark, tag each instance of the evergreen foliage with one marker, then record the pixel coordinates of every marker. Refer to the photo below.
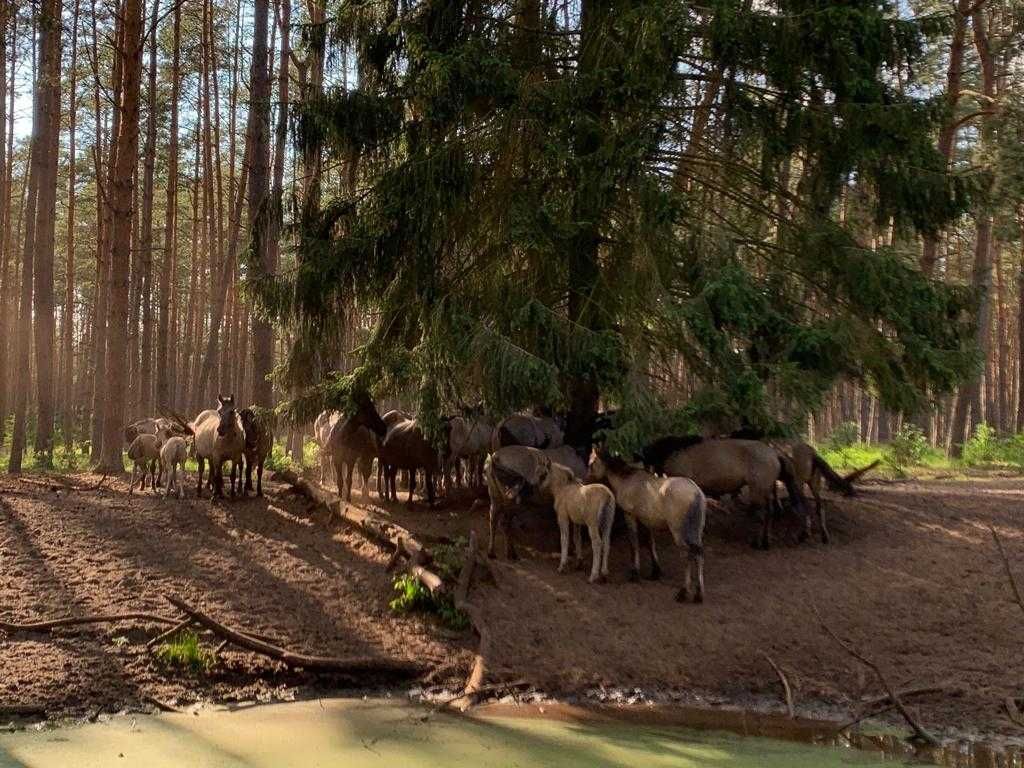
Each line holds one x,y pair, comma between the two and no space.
537,216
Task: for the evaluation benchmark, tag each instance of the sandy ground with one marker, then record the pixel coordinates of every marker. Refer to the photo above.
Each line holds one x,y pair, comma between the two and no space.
912,579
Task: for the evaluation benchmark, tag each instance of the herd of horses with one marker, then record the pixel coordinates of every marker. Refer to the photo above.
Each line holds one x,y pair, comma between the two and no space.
522,458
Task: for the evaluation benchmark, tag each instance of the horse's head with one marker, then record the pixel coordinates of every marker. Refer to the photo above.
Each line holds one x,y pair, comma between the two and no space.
597,469
227,415
366,414
250,425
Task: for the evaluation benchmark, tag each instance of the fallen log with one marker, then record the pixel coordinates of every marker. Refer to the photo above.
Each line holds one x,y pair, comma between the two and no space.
382,532
475,683
71,621
341,665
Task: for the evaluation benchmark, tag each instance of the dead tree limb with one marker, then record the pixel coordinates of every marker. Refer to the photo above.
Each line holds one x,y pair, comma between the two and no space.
475,684
163,706
342,665
169,633
882,704
386,534
1006,565
916,727
787,691
71,621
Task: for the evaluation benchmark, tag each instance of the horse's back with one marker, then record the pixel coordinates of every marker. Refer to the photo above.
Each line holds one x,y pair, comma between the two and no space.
724,466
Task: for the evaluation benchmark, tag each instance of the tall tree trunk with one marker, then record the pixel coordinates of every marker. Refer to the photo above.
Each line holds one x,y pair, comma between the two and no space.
127,151
259,181
46,134
5,211
164,361
22,384
971,402
67,377
145,394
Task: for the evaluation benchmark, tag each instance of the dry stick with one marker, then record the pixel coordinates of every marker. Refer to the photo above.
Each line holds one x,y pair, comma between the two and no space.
475,682
350,665
163,706
69,621
172,631
882,704
1006,565
785,684
920,732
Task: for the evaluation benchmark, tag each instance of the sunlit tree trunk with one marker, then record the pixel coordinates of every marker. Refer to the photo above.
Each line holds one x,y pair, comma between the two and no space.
120,235
6,300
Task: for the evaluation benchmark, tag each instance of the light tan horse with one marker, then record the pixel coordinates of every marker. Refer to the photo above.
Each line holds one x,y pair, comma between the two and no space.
578,505
675,503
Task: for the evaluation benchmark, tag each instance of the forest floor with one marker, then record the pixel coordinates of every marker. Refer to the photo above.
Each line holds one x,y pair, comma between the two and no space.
912,579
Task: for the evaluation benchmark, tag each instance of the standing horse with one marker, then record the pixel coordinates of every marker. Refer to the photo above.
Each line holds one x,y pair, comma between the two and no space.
726,466
321,433
469,439
406,447
352,439
512,473
675,503
259,441
219,437
524,429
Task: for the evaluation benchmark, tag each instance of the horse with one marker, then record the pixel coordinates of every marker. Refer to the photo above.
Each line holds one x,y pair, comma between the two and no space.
321,432
578,505
809,469
259,441
524,429
511,474
468,439
406,447
351,440
676,503
724,466
220,437
172,458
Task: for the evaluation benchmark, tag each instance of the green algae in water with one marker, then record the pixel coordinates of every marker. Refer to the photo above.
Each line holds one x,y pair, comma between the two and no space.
372,734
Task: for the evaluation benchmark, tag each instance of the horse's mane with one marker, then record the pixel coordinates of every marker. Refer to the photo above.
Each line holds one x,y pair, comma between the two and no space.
618,465
656,453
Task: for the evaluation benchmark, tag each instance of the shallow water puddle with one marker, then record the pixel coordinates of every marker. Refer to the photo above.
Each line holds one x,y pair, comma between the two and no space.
354,734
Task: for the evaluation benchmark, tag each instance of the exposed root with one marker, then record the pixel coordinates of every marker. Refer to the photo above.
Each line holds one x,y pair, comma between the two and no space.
897,702
351,665
787,691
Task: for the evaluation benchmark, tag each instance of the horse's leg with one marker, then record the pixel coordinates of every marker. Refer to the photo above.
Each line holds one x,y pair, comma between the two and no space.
655,564
577,532
131,484
492,519
199,488
634,540
597,551
259,479
349,469
248,477
766,523
507,523
412,485
431,482
815,485
564,525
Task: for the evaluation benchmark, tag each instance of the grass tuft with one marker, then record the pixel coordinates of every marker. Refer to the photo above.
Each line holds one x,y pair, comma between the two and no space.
185,652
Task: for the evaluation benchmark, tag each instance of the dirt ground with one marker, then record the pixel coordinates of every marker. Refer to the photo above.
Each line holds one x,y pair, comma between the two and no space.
912,579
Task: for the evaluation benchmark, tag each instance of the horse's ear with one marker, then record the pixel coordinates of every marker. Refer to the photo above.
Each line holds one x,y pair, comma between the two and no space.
220,399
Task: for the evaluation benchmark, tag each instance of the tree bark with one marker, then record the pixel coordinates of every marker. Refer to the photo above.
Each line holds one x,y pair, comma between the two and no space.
127,150
164,361
258,197
67,376
5,212
145,396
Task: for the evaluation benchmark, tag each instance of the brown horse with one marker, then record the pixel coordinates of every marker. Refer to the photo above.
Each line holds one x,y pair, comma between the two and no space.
351,439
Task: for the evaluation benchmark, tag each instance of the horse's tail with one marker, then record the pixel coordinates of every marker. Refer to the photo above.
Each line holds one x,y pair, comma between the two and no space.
605,517
857,474
788,477
835,481
693,526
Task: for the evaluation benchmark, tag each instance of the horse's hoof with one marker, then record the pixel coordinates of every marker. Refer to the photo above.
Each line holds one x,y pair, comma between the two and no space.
682,596
804,536
602,579
578,566
634,575
655,574
825,538
491,556
699,597
561,569
513,556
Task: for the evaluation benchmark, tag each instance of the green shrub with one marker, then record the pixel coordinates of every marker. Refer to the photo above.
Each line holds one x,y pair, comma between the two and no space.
413,596
907,448
843,436
983,447
185,651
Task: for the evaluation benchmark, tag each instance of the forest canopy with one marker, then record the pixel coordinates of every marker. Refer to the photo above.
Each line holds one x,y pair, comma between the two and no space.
570,206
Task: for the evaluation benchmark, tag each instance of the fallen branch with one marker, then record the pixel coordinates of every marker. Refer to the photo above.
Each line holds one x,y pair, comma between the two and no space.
1006,565
785,684
163,706
882,704
918,730
475,682
379,530
169,633
924,690
70,621
342,665
1013,711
